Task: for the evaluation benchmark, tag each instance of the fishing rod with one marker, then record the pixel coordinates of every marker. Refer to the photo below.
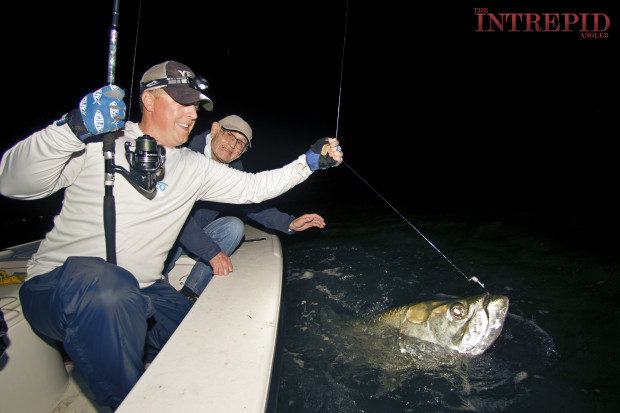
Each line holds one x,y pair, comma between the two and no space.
469,279
109,204
145,157
113,43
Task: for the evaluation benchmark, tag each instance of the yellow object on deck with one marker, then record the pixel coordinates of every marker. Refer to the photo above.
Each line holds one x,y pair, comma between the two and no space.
11,279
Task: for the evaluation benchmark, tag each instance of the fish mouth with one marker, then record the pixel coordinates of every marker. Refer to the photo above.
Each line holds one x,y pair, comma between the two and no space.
484,324
496,309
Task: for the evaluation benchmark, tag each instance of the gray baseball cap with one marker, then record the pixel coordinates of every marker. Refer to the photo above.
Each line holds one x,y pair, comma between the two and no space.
179,82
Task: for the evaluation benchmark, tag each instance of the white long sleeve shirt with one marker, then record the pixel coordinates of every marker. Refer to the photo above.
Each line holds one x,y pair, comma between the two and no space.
54,158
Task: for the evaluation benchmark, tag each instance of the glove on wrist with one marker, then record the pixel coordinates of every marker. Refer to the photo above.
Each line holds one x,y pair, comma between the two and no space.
99,112
318,158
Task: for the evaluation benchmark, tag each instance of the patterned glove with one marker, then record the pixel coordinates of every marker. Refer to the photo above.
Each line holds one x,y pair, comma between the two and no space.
317,156
100,112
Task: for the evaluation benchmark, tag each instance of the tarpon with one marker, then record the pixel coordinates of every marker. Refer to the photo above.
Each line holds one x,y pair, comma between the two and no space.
467,325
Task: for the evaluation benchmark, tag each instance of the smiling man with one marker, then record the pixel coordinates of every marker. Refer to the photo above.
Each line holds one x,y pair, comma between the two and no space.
110,317
229,138
211,239
169,106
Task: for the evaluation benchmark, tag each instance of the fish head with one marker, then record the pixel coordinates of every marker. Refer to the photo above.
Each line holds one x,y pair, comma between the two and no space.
468,325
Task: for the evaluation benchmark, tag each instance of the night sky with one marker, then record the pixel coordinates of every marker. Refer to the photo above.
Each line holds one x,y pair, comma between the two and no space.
430,110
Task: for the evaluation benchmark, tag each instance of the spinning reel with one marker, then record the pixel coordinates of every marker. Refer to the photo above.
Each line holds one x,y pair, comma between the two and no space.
146,165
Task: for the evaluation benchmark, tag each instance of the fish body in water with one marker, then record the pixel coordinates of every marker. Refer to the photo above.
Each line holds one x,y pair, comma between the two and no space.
467,325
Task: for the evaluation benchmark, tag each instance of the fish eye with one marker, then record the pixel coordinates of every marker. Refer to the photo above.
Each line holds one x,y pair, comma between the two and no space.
458,310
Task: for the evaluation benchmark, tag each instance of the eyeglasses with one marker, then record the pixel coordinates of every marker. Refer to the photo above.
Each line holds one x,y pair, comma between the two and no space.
242,143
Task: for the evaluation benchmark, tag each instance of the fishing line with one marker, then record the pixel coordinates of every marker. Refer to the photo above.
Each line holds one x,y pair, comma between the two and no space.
474,279
133,65
469,279
344,41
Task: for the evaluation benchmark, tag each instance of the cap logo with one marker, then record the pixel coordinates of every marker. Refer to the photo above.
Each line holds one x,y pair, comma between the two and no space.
152,83
185,73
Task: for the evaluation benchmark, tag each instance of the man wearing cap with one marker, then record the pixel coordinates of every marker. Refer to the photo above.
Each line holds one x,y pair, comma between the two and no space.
214,240
110,317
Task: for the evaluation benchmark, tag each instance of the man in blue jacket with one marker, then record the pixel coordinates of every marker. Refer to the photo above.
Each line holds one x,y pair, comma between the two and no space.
211,239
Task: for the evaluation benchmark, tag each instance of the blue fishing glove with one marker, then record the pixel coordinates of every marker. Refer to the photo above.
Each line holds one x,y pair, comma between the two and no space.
317,156
99,112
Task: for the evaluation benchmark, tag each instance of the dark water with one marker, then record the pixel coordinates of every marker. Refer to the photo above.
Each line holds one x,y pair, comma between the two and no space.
558,348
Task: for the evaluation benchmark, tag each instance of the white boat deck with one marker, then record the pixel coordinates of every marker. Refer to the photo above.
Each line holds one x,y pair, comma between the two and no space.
219,359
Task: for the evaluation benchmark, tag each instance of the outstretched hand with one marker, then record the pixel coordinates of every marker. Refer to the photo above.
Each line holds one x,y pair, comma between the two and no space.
324,153
307,221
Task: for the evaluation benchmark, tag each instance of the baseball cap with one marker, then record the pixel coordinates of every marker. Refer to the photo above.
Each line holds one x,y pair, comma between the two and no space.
179,81
234,123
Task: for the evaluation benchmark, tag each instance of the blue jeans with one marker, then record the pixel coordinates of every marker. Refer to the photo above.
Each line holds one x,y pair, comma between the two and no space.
227,232
107,324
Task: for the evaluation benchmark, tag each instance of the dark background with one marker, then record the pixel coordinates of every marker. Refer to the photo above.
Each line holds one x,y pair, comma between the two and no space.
429,112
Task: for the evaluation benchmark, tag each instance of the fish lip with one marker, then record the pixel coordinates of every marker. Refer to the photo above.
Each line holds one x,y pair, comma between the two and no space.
486,300
491,334
499,316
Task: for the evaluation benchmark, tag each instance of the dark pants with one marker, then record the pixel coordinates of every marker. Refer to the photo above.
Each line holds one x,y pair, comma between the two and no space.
108,325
